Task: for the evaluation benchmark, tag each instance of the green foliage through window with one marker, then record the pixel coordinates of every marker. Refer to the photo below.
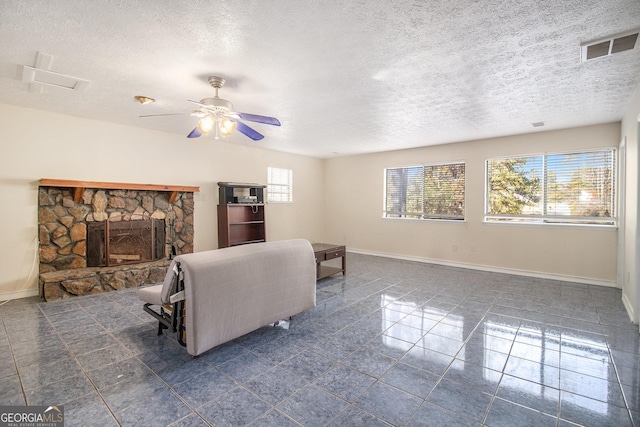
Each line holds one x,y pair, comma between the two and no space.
553,188
425,192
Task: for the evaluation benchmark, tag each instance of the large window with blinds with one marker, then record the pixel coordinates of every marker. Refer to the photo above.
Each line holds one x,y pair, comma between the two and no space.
571,188
279,185
425,192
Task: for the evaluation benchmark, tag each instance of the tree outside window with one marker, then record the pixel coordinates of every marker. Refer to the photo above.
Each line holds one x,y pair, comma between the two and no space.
553,188
425,192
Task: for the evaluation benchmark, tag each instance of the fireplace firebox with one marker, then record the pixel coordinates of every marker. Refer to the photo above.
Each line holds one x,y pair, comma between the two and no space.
112,242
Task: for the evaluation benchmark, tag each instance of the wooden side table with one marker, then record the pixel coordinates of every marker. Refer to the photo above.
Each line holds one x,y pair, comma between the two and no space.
326,252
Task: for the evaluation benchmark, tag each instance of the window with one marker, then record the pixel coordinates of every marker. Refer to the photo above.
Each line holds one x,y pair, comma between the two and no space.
425,192
279,185
577,188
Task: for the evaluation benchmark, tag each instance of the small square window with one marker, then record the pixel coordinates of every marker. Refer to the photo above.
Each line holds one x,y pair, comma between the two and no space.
279,185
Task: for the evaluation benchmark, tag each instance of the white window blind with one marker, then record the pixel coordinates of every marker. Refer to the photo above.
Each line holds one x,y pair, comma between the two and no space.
279,185
574,188
425,192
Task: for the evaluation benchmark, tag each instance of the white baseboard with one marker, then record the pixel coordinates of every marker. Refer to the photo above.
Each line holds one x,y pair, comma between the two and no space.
19,294
536,274
629,307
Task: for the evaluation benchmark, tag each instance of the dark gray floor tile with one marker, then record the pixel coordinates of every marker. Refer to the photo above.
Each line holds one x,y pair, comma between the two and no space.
535,354
204,387
355,417
161,410
192,420
11,392
57,393
529,394
122,394
389,346
507,414
182,370
479,342
589,412
308,365
117,372
88,407
632,396
275,385
410,379
592,387
489,359
7,365
405,332
39,375
370,362
533,371
274,418
246,366
428,360
223,353
312,406
335,348
475,376
237,407
448,346
430,415
277,351
345,382
88,345
388,403
460,399
42,351
628,366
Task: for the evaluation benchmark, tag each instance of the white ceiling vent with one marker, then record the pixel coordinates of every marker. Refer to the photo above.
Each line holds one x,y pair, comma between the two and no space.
609,46
40,75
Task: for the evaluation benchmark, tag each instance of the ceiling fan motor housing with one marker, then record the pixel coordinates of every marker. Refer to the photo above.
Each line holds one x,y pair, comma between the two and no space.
217,104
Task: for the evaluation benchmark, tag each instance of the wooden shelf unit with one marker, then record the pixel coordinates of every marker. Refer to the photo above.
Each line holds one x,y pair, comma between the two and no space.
240,224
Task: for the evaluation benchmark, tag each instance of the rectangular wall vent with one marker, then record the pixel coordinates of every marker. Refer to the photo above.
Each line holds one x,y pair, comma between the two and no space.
606,47
41,75
36,75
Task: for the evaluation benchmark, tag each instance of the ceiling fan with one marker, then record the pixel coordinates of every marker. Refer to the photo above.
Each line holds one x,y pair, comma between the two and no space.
217,115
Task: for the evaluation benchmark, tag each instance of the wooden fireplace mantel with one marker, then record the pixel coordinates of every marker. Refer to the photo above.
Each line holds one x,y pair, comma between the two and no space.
79,187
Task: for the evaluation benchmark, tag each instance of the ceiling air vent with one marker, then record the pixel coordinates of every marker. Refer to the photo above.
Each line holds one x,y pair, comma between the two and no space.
40,75
609,46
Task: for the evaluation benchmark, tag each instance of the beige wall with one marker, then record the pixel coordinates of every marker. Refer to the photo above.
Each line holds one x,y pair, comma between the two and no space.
336,200
630,273
66,147
354,197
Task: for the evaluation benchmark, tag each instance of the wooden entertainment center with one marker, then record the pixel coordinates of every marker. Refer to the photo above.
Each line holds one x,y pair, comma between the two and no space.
240,214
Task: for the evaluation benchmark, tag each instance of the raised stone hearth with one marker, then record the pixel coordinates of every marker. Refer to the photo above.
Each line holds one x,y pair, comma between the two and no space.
65,210
95,280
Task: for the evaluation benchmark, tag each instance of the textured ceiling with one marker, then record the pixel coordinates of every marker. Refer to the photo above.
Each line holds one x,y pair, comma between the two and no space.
343,77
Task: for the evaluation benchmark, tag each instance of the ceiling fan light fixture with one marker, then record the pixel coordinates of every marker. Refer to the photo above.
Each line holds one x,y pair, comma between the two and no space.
227,127
205,124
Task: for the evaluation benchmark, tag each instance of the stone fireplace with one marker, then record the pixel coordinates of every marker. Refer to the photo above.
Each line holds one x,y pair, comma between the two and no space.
96,237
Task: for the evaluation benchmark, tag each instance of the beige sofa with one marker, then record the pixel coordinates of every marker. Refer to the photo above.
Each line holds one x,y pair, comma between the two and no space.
226,293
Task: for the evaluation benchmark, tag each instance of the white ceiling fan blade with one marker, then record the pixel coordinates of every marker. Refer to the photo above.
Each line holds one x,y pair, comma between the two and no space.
168,114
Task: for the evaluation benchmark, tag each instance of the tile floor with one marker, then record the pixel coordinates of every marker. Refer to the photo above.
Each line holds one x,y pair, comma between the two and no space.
391,343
